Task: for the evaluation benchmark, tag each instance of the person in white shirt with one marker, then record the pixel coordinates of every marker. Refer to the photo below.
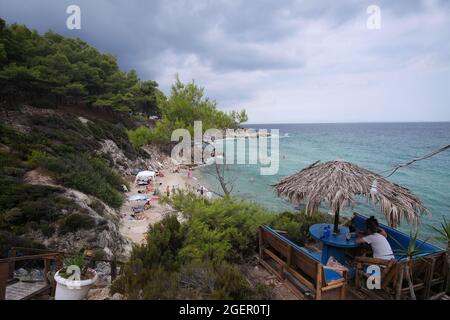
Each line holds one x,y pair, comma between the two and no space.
377,239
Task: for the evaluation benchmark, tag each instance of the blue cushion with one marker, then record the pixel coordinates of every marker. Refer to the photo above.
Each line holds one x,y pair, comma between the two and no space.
331,275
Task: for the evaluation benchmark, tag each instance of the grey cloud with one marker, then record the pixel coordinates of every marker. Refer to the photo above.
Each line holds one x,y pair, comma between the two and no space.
242,50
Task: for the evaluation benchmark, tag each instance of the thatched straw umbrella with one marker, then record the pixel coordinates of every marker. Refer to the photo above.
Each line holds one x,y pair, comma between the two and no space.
338,183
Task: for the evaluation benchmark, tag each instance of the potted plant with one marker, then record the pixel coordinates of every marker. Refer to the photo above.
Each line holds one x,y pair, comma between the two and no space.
75,279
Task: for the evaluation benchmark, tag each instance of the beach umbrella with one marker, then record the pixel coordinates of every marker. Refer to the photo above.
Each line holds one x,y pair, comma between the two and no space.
339,183
138,197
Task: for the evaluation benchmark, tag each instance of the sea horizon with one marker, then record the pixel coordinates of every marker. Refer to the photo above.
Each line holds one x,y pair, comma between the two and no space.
349,122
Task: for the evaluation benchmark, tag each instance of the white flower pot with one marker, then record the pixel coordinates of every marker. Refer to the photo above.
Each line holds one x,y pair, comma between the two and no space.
73,290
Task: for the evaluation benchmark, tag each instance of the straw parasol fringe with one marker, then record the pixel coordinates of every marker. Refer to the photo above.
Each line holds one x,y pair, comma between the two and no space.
338,183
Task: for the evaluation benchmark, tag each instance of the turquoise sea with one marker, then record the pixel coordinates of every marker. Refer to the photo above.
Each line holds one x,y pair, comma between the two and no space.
374,146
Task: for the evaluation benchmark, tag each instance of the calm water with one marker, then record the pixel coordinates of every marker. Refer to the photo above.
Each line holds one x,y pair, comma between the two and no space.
376,146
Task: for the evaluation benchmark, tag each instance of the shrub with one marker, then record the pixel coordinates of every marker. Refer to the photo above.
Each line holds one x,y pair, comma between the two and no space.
37,158
87,174
192,260
297,224
75,222
140,136
224,228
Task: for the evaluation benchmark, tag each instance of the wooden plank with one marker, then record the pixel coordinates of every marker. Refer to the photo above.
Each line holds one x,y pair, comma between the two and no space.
335,285
294,290
302,279
305,263
33,257
270,269
278,244
280,262
25,290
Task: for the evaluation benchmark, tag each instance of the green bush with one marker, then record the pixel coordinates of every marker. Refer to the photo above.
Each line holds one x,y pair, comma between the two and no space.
141,136
76,221
63,147
297,224
87,174
37,158
225,228
156,270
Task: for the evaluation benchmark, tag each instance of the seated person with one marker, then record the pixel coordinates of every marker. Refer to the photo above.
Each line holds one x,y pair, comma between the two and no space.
377,239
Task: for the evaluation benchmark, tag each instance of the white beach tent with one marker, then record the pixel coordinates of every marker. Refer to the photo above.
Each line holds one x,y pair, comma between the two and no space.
145,175
138,197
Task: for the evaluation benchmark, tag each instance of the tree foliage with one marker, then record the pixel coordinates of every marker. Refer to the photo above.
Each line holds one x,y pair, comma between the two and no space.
187,103
63,70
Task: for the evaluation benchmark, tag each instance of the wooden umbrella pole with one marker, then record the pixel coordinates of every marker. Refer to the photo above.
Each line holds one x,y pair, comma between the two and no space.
336,221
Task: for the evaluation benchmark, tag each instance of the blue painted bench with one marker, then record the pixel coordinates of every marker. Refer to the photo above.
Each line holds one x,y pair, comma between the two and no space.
292,263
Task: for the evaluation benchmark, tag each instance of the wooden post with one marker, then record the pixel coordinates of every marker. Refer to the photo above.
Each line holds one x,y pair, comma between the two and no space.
399,288
359,267
4,271
260,239
447,272
336,221
343,292
410,281
429,278
12,265
46,269
113,265
319,282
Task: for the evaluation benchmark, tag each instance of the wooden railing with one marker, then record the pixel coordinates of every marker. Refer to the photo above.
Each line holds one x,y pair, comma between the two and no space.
428,277
8,265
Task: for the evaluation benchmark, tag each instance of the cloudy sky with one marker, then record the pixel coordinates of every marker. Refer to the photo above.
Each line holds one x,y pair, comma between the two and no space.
283,61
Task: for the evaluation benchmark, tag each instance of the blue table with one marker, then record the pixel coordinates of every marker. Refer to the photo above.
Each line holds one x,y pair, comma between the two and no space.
334,245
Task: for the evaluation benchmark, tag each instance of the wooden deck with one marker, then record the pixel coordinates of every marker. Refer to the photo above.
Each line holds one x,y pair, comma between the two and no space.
12,288
25,290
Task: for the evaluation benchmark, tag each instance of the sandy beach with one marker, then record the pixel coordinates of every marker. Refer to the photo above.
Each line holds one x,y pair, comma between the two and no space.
134,229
